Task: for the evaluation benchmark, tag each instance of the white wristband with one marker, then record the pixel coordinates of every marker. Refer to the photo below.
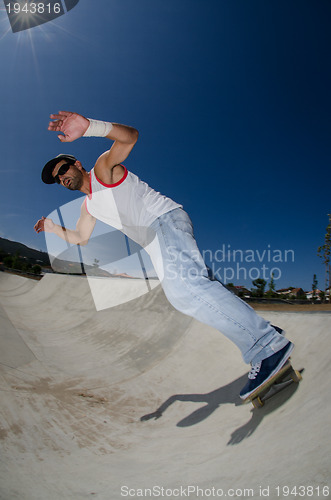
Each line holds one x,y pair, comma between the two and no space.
98,128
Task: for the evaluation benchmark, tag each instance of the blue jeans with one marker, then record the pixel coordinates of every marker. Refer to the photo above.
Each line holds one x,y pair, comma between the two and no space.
188,287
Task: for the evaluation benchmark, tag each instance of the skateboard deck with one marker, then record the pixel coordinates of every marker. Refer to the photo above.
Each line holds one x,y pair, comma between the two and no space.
282,379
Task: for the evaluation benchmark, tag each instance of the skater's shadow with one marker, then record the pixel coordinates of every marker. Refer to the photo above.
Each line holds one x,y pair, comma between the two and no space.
228,394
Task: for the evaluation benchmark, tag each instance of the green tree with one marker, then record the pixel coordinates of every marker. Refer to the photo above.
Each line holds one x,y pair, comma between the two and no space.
271,290
26,267
8,261
36,269
259,284
17,262
324,252
231,287
301,295
314,287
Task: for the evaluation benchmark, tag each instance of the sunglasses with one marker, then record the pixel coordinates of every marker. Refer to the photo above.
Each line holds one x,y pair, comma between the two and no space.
62,170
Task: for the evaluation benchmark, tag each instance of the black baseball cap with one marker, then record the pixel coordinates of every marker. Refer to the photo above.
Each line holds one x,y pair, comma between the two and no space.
46,174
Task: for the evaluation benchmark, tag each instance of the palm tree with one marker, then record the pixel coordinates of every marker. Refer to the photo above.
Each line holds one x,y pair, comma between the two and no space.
324,252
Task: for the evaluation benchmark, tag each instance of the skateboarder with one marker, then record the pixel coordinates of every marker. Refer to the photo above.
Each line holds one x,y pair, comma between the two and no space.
119,198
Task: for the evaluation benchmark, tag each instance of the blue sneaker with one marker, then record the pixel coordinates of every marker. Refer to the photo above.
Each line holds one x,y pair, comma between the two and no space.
262,372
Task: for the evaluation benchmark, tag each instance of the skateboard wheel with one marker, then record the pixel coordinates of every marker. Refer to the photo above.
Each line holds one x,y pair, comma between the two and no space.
257,402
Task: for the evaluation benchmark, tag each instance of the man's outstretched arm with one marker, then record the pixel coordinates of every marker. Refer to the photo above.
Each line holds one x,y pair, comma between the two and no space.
78,236
73,126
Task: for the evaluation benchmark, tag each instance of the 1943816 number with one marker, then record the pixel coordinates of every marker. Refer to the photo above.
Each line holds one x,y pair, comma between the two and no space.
33,8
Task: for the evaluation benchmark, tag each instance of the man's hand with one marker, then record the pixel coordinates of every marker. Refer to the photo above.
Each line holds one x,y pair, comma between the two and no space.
72,125
44,224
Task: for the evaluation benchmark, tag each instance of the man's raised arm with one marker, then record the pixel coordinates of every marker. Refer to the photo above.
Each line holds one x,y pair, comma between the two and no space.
73,126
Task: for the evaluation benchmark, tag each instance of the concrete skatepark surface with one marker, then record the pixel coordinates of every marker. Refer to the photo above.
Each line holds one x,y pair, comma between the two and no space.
75,383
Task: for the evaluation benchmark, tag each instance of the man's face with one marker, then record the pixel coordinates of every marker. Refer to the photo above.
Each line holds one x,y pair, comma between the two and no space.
71,179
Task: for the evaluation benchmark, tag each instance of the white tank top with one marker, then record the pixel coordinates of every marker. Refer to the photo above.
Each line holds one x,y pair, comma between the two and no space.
130,205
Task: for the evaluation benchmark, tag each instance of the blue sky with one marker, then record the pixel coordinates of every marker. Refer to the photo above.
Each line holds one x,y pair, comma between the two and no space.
232,102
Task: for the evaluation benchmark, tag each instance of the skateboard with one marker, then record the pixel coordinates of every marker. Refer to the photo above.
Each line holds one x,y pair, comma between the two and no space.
282,379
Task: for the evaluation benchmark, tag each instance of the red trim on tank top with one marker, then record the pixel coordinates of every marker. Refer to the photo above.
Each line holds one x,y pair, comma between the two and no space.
116,183
90,195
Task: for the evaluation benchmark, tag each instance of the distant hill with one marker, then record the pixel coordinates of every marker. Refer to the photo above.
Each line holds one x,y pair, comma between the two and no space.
64,265
34,256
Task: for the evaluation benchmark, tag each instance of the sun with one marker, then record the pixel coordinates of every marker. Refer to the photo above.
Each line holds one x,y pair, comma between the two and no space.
28,24
28,17
26,14
21,21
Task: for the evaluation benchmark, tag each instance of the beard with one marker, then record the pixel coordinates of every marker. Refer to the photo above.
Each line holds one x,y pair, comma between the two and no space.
76,181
